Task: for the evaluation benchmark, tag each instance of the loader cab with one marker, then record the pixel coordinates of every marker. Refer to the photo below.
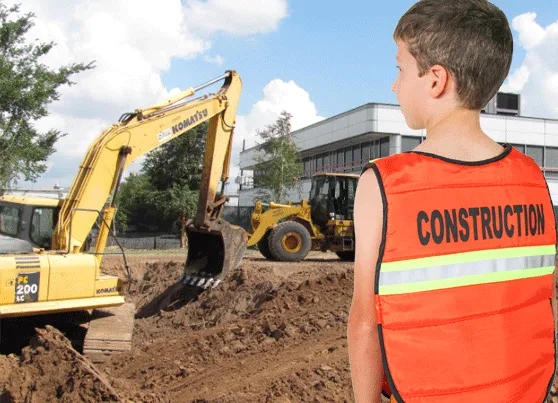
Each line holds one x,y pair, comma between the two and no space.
332,197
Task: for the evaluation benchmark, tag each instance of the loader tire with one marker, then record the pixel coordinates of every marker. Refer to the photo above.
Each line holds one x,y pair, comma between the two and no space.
346,256
289,242
263,246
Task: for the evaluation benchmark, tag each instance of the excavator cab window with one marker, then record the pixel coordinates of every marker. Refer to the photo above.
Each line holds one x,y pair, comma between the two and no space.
9,220
42,225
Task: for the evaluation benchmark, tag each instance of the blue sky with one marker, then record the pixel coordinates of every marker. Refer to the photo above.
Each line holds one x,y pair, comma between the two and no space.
343,56
313,58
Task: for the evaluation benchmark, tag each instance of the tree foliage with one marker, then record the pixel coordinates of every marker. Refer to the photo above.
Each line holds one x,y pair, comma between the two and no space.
167,189
178,162
279,165
27,87
135,203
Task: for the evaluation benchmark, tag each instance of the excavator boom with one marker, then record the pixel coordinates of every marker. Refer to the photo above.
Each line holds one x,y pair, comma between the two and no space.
135,135
65,278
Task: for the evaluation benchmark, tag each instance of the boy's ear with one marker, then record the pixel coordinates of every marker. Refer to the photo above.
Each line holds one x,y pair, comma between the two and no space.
439,82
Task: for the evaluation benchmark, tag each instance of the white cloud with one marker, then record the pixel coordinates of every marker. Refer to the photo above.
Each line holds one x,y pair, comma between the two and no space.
218,60
132,43
235,17
537,77
530,33
278,96
81,132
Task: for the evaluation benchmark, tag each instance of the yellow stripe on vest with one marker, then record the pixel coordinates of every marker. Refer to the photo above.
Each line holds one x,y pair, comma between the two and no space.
468,257
464,269
464,281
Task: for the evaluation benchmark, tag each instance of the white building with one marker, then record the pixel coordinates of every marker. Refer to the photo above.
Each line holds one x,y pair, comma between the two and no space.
346,142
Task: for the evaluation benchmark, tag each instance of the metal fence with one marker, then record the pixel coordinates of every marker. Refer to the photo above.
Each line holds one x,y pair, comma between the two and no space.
239,215
236,215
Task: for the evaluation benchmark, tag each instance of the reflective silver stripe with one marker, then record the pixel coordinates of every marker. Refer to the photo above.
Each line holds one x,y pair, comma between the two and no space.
465,269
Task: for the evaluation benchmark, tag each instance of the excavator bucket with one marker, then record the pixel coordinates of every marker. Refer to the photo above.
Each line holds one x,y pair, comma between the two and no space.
213,253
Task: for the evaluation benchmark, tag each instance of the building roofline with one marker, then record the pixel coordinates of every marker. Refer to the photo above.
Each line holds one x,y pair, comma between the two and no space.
397,106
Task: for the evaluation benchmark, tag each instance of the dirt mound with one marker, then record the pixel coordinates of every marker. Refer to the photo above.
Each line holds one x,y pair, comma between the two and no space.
50,370
243,295
272,332
259,336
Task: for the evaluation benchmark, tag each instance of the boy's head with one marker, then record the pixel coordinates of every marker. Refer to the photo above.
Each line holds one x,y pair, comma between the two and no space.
464,47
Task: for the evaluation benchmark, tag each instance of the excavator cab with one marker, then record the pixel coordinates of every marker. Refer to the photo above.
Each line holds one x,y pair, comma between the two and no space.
29,218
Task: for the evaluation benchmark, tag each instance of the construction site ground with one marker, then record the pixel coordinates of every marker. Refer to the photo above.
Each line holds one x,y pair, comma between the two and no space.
274,332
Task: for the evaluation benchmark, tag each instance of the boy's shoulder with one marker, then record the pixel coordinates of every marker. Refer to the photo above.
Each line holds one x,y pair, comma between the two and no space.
423,164
390,161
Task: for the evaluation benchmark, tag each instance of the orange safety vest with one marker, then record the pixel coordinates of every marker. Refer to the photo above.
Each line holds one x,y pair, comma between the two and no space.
464,279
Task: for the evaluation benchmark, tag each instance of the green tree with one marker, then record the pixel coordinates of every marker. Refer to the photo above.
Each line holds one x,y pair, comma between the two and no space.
26,89
166,191
279,166
178,162
181,204
135,203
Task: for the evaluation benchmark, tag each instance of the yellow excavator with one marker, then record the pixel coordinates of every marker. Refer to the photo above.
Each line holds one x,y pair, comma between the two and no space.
287,232
36,279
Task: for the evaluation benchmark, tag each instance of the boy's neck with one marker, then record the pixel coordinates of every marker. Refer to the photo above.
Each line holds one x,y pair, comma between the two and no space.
455,122
457,134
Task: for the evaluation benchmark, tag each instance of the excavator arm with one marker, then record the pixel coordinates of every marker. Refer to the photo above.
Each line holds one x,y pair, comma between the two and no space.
95,186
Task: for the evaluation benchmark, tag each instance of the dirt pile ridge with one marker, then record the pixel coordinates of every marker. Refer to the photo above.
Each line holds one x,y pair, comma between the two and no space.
273,332
50,370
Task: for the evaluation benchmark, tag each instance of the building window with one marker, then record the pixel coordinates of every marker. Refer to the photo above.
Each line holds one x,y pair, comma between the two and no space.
384,147
357,155
409,143
366,151
333,160
375,149
551,157
327,162
340,159
536,153
319,162
348,155
519,147
551,161
306,162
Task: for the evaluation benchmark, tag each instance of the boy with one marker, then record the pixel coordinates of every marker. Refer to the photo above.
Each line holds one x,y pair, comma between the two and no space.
455,240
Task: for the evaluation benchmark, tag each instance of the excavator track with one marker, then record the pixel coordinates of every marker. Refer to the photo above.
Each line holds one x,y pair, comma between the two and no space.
109,332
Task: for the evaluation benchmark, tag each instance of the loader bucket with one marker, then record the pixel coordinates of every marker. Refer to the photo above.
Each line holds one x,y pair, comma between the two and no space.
213,253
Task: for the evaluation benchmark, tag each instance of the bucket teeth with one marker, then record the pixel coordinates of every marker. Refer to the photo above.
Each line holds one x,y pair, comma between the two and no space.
200,281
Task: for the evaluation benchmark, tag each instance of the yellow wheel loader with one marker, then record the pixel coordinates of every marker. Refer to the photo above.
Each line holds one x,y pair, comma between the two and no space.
287,232
44,267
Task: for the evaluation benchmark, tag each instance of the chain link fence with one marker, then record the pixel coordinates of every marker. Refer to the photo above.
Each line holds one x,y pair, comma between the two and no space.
236,215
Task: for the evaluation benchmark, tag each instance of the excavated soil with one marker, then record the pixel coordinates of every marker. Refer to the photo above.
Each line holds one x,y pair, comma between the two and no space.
274,332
